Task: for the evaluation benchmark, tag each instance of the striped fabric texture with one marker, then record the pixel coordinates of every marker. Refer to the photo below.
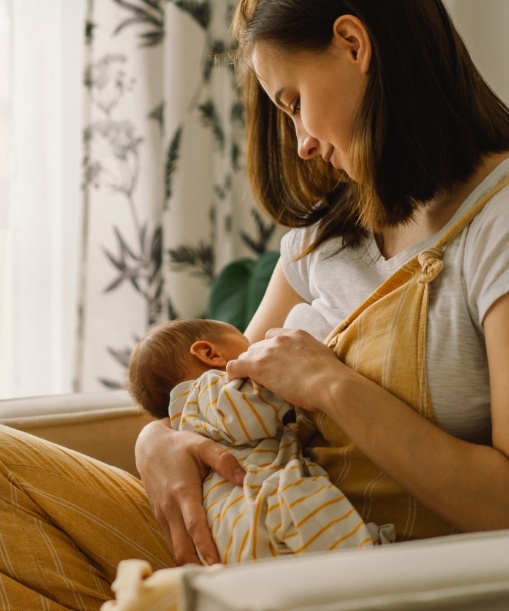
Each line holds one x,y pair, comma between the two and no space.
385,340
287,504
66,521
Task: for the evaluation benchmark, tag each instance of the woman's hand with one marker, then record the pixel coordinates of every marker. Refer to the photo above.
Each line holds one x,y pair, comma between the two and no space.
293,365
172,466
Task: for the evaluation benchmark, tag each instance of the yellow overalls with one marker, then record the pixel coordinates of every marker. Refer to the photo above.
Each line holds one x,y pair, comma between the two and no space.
385,341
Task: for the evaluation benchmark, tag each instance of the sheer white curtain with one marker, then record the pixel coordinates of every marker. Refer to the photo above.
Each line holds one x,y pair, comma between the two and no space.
40,195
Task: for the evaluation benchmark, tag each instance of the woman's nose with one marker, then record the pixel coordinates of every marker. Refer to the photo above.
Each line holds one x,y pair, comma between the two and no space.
307,146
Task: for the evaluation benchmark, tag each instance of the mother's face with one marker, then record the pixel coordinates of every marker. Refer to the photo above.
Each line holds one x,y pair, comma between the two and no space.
320,91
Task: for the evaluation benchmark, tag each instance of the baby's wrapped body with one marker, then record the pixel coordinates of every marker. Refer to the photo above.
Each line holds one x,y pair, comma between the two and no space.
287,504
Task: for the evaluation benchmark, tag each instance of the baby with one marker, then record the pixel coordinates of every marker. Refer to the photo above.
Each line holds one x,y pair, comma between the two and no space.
286,504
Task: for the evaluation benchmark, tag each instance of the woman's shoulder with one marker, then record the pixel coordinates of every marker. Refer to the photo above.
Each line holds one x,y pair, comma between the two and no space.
493,218
296,240
485,255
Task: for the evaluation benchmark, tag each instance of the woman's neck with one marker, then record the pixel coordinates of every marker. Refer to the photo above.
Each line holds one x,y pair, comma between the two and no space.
432,217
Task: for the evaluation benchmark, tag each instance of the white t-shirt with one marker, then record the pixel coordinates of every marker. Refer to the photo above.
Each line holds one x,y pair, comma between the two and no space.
475,275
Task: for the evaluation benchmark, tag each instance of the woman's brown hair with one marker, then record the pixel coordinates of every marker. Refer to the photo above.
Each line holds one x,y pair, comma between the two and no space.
426,119
160,361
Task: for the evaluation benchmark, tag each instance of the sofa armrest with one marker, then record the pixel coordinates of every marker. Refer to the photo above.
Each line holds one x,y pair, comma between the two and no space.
103,425
460,572
467,572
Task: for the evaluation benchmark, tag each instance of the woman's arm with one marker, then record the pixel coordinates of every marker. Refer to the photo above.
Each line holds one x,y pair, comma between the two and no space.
172,466
277,302
467,485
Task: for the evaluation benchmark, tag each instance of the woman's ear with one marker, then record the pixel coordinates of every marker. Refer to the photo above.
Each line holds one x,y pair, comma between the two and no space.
208,354
350,34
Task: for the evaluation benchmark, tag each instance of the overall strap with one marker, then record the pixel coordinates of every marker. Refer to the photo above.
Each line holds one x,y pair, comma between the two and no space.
384,340
427,264
430,259
467,218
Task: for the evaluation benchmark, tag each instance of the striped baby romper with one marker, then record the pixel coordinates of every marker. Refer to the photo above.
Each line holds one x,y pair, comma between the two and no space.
287,504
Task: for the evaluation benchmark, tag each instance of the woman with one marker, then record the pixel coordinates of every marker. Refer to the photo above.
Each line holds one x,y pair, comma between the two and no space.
405,149
398,137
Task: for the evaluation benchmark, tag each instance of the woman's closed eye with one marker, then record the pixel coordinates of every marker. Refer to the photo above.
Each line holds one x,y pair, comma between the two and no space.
295,107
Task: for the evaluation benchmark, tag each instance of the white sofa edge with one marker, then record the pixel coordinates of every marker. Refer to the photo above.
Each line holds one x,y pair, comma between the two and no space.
103,424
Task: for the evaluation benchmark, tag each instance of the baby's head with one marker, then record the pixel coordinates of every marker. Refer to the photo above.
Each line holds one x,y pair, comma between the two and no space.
176,351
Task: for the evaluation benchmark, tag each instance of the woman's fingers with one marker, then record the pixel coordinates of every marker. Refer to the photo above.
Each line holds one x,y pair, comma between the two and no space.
291,364
173,465
277,331
188,528
172,471
186,517
222,461
267,359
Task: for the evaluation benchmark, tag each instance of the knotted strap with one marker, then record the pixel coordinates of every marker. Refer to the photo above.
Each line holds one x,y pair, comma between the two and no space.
385,341
431,263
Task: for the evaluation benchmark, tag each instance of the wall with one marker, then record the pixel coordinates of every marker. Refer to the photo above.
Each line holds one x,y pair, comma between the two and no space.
484,25
6,311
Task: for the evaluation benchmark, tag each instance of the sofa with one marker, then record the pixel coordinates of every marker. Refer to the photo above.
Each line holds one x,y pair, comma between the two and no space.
463,572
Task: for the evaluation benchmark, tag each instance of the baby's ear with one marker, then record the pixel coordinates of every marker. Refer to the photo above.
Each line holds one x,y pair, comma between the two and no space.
208,354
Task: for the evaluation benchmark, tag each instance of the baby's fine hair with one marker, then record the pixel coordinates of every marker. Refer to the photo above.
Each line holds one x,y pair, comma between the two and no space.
160,360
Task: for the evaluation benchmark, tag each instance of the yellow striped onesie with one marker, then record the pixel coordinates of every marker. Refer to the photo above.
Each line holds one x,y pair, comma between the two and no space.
287,503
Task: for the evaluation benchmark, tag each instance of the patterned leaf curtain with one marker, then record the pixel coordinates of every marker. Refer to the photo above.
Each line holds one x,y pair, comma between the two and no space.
166,199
